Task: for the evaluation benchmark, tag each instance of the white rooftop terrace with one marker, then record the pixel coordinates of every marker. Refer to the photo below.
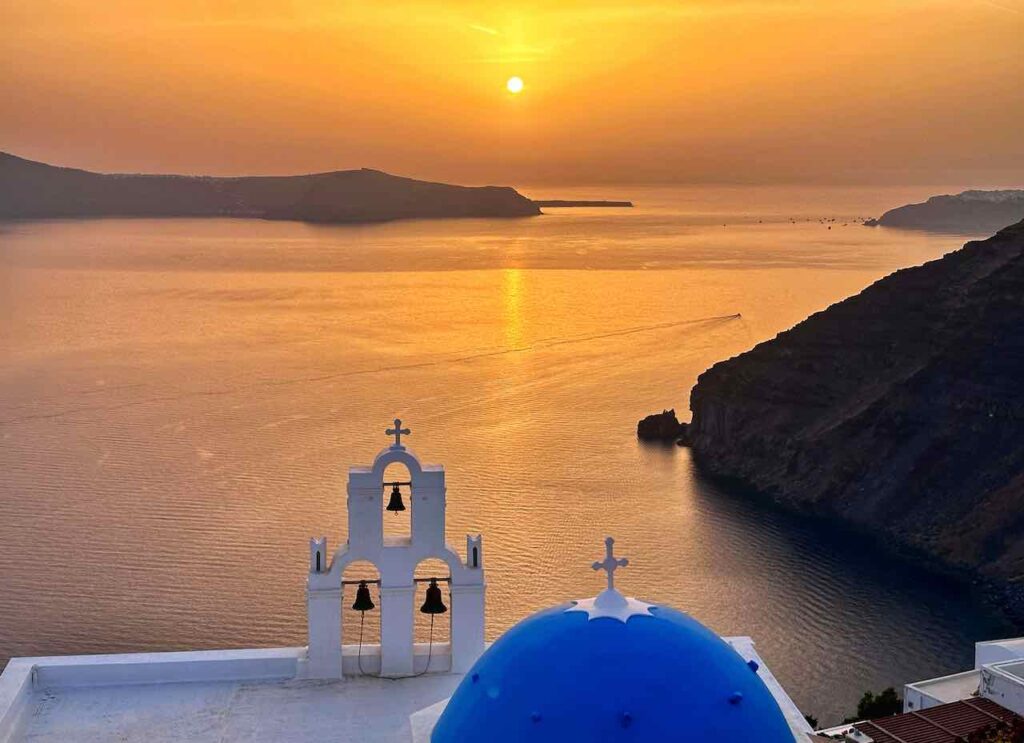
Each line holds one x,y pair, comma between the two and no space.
997,663
235,695
224,696
356,710
942,690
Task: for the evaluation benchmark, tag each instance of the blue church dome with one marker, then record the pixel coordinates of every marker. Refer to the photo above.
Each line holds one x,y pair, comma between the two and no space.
611,669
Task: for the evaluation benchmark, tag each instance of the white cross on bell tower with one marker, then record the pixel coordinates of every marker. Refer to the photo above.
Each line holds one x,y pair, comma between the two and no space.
398,432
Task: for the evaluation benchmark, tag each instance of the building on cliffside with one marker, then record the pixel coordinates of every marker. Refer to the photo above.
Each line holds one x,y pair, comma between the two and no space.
953,708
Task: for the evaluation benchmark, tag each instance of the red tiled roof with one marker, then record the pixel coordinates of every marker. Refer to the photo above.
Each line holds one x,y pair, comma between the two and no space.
947,723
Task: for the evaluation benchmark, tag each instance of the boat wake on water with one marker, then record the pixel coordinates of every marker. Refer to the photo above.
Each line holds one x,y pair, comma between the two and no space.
459,357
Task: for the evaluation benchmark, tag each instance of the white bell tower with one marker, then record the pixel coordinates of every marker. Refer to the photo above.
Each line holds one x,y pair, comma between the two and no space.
395,559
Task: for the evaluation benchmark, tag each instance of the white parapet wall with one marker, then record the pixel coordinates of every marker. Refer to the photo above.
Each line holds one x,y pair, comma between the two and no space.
1003,683
365,660
23,676
997,651
15,692
166,668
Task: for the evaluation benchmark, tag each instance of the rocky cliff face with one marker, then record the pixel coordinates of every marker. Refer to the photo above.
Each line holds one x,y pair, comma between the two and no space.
31,190
900,410
968,212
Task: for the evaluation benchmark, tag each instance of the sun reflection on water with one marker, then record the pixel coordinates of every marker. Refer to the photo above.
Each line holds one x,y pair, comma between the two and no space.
512,302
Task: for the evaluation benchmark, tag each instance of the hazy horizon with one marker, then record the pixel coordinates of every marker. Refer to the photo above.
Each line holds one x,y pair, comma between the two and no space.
579,189
733,92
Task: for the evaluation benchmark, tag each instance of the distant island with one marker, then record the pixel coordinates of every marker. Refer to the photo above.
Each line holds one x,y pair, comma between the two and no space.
565,203
970,211
33,190
899,410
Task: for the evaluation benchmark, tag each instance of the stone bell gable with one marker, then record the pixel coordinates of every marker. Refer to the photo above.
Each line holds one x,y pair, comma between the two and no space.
395,559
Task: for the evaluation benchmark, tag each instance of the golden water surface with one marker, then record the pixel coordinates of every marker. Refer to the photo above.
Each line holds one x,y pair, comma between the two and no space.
180,399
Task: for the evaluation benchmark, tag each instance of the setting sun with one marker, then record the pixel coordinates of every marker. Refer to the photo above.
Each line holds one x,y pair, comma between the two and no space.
514,85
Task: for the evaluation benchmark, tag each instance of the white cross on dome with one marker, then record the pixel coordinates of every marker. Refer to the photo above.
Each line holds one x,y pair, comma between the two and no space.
610,563
610,603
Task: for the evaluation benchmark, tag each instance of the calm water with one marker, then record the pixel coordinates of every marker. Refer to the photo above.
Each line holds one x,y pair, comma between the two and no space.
179,402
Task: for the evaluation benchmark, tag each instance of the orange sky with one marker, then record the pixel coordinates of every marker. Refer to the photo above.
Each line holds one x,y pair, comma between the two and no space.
911,91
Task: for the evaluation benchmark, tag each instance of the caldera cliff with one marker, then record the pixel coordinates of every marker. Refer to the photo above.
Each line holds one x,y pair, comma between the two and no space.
899,410
978,212
33,190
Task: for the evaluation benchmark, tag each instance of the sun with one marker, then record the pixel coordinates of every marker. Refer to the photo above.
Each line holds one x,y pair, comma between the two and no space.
514,85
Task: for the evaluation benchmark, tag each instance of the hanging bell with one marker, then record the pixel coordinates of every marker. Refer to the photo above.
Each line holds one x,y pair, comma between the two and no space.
395,504
434,604
363,601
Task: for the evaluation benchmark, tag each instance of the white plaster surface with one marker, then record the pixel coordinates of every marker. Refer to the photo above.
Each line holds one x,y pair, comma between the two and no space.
360,710
15,697
942,690
1003,683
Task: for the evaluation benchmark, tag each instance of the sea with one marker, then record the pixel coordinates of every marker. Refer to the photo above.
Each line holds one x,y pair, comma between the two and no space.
180,400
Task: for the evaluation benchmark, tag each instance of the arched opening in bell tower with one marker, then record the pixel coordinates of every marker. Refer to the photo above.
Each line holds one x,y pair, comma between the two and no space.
432,615
360,622
397,501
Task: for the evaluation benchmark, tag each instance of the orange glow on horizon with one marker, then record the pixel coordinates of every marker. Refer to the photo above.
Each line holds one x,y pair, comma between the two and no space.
699,90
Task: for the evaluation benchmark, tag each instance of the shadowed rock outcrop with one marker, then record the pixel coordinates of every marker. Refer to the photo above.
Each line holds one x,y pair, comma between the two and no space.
899,410
32,190
663,426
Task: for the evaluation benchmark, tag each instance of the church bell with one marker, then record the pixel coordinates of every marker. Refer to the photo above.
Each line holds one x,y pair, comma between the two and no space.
395,504
434,604
363,601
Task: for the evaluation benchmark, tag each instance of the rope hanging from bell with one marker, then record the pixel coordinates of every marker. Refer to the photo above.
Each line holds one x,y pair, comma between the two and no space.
434,603
395,504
